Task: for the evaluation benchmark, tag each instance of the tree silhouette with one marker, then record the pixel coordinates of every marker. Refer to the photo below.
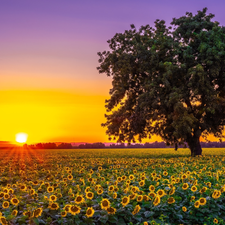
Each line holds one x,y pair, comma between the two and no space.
167,81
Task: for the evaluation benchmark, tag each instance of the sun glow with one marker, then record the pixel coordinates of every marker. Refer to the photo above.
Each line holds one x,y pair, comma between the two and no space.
21,137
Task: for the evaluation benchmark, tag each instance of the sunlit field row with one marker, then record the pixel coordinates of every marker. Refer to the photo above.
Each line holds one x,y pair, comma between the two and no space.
112,186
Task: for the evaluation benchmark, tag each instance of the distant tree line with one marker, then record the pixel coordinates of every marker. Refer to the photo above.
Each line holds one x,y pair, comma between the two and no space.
52,145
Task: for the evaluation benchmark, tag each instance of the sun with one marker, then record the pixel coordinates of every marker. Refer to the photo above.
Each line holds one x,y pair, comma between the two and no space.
21,137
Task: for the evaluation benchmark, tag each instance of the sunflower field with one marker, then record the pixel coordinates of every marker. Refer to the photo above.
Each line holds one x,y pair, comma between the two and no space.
112,186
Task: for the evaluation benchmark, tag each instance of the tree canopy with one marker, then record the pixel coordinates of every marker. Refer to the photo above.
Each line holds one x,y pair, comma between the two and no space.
168,81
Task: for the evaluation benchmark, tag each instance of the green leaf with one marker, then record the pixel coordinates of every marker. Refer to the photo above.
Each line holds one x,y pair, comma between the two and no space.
148,214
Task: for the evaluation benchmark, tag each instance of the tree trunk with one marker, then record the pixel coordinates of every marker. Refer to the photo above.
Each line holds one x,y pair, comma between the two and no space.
195,146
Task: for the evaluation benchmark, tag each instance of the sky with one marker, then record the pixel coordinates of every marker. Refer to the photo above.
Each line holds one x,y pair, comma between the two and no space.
49,85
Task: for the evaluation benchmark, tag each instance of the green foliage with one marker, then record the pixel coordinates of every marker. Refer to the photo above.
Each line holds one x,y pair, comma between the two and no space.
167,81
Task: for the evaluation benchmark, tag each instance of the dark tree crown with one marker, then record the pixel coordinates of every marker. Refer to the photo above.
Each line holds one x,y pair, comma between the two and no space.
167,81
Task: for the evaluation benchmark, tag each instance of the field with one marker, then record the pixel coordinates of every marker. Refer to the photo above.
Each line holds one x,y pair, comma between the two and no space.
112,186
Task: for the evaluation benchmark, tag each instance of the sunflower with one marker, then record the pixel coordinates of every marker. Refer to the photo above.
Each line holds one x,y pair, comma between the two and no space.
165,173
79,199
160,193
53,198
23,187
152,194
5,204
63,213
3,220
216,194
132,196
37,212
89,195
156,200
196,204
145,198
185,186
125,200
27,213
203,190
139,198
15,201
1,195
194,188
151,188
131,177
105,203
145,223
142,183
184,209
115,195
90,212
6,196
74,209
172,191
136,209
111,188
184,176
99,191
53,206
202,201
215,221
171,200
50,189
111,210
70,177
14,212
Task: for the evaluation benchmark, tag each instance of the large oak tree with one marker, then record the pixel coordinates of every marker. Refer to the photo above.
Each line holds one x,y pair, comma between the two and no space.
168,81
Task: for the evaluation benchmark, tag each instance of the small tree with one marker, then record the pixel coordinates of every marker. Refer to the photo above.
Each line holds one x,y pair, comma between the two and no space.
167,81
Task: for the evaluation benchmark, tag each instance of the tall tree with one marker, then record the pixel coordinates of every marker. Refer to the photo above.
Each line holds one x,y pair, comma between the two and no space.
167,81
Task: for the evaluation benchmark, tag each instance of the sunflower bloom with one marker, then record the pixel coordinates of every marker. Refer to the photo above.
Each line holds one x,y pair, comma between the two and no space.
216,194
53,198
151,188
171,200
184,209
5,204
89,195
136,209
14,212
215,221
125,200
63,213
197,204
15,201
53,206
111,210
156,200
3,220
202,201
37,212
160,193
90,212
50,189
194,188
139,198
185,186
79,199
74,209
105,203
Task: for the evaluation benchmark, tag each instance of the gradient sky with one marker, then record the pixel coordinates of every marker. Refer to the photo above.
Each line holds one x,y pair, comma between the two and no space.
49,85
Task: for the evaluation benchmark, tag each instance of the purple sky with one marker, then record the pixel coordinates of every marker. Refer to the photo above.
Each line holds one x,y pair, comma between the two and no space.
61,38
